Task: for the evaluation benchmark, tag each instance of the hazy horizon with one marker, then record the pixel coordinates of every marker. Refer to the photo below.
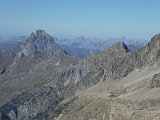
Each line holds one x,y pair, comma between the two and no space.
68,38
99,18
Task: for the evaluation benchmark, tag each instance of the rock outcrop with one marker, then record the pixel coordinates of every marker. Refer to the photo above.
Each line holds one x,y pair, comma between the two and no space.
155,81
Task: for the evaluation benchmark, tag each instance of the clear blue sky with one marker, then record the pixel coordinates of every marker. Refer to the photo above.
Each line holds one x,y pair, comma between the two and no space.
91,18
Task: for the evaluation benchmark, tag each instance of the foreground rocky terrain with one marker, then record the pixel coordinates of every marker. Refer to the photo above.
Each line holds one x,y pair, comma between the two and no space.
42,81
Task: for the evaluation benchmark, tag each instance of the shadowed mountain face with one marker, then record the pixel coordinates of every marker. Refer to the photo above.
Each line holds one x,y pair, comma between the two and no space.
6,58
48,83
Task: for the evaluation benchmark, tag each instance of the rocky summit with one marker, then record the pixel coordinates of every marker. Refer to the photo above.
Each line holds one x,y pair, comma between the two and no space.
41,81
38,61
38,42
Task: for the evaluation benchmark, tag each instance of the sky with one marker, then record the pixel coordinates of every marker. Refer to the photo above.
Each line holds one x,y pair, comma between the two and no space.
71,18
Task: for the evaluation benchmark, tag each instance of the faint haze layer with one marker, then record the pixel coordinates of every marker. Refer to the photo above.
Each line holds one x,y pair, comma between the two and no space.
103,18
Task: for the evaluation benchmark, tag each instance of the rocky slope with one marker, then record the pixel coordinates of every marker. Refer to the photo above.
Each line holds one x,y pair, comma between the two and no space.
39,61
130,90
122,88
115,84
117,61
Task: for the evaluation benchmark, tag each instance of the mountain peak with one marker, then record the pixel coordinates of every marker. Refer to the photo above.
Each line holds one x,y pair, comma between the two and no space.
120,43
38,42
155,41
121,46
156,36
41,33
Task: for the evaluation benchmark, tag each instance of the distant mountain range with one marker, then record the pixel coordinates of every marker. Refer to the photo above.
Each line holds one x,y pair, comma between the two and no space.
80,46
99,44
